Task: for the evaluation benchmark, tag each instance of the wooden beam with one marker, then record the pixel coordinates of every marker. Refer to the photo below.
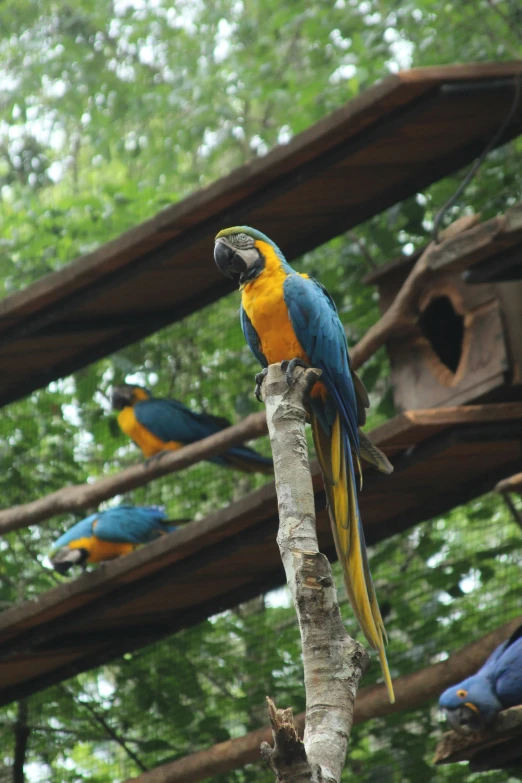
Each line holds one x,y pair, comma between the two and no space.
411,691
99,606
23,628
128,643
260,193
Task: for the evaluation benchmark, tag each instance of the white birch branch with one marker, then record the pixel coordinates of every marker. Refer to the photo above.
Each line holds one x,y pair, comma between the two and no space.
333,662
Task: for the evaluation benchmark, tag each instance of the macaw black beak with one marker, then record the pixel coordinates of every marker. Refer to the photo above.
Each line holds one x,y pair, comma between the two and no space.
464,720
66,558
121,397
229,262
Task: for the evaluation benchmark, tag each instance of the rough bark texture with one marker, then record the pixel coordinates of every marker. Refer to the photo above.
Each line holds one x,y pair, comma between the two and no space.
85,496
411,691
333,662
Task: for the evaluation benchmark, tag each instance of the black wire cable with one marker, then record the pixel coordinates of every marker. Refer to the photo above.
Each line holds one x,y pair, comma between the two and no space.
478,162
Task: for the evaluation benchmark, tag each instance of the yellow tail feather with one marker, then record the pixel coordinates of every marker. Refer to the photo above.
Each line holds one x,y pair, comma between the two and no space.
248,465
322,449
373,455
386,674
336,451
351,550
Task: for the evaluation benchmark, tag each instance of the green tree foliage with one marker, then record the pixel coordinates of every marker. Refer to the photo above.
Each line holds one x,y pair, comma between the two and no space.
110,111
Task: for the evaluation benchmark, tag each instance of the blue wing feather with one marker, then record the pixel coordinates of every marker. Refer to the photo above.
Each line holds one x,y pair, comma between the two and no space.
508,673
123,524
82,529
320,332
131,524
171,420
252,338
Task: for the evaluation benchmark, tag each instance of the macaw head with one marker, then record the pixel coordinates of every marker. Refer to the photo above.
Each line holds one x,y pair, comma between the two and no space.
240,252
470,705
65,558
128,395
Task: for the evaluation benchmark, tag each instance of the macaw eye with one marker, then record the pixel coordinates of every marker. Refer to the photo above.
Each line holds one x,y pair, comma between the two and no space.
461,693
242,237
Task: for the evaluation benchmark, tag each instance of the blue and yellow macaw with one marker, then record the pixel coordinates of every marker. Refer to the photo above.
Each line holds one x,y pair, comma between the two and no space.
157,425
290,317
477,700
108,534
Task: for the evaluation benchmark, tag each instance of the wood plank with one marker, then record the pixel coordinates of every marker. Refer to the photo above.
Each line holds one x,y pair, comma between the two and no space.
390,118
202,568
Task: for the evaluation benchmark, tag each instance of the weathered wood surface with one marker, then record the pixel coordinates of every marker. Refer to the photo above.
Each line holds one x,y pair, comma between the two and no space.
381,147
441,458
412,691
490,749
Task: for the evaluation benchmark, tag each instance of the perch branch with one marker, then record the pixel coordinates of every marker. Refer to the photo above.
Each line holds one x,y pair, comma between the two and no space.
84,496
411,691
333,663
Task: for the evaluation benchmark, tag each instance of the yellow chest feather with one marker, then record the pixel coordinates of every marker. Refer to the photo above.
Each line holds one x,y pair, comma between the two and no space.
101,550
148,443
265,306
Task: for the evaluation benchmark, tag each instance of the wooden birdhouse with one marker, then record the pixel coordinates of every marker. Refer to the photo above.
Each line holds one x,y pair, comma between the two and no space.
465,343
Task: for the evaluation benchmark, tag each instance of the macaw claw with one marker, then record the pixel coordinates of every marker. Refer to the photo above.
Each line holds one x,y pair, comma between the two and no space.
260,377
288,368
155,458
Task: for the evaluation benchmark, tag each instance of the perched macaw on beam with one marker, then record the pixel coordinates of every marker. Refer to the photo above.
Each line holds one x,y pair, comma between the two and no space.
476,701
289,317
157,425
108,534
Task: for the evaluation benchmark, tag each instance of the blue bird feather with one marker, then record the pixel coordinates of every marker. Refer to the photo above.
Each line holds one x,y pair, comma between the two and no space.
171,422
497,685
274,298
122,524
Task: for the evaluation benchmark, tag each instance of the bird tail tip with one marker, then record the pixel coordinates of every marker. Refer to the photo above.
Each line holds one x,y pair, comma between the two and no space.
250,463
386,674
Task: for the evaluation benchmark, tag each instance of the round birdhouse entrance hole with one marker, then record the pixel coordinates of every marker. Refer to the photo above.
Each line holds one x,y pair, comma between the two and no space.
443,327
